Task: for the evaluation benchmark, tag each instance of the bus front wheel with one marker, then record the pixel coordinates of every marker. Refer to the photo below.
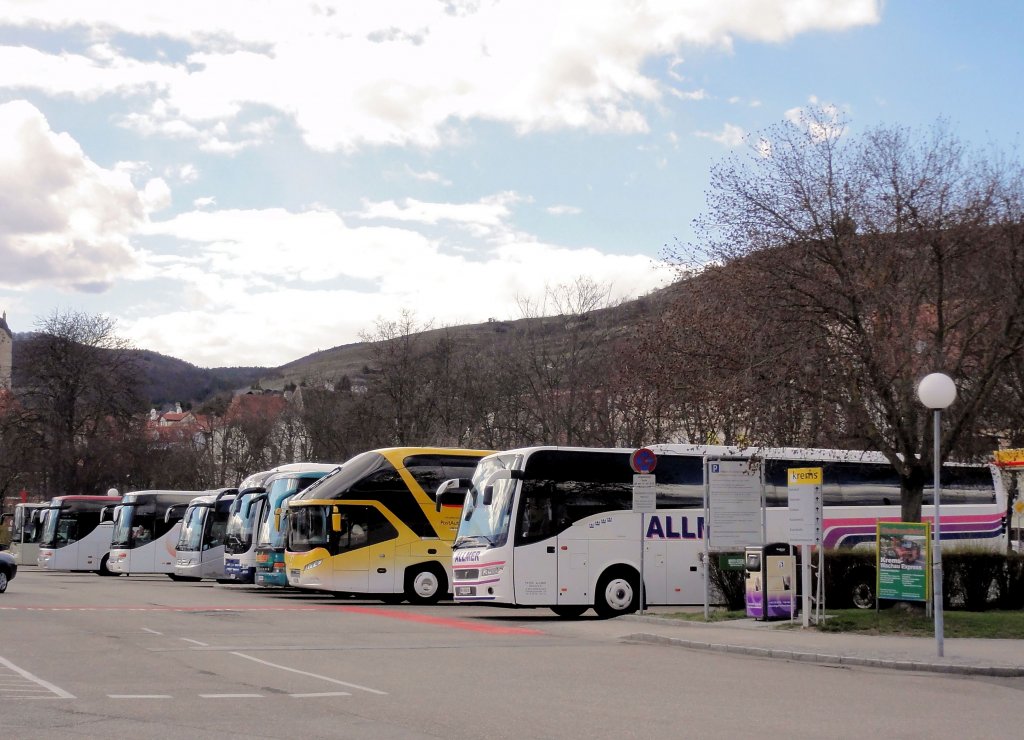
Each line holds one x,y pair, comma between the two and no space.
104,569
618,592
426,585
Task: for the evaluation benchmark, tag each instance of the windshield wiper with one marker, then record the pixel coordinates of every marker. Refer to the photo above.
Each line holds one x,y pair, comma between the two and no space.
471,540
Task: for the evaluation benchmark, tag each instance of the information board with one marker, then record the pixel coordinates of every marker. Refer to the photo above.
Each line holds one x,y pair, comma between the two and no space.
735,504
645,497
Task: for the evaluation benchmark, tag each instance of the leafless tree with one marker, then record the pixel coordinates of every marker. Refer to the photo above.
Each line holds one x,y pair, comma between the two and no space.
869,261
80,387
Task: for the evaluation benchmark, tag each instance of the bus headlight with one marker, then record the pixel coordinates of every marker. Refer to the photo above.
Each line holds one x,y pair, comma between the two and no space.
314,564
492,570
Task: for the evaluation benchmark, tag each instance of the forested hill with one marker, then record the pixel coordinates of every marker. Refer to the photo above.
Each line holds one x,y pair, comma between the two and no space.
168,380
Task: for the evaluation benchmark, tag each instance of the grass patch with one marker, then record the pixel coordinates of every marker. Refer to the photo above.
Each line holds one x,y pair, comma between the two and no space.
999,625
1005,625
715,615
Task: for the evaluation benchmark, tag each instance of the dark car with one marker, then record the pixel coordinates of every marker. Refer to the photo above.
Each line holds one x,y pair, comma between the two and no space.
8,569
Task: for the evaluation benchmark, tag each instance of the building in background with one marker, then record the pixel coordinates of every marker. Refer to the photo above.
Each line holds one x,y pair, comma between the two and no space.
6,353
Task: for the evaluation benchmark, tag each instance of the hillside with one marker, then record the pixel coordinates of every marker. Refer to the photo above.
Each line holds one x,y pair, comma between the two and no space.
353,360
168,380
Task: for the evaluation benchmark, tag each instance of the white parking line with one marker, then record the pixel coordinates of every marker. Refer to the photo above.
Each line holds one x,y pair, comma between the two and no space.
45,684
195,642
152,632
231,696
315,696
313,675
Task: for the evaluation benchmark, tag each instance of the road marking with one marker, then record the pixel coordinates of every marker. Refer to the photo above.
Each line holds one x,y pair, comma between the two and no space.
325,693
313,675
231,696
152,632
139,696
35,679
195,642
462,624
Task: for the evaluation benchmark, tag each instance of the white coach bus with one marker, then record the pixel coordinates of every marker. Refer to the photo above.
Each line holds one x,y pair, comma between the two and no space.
146,528
76,536
554,527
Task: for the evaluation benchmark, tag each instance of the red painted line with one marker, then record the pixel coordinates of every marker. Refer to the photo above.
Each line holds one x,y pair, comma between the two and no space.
462,624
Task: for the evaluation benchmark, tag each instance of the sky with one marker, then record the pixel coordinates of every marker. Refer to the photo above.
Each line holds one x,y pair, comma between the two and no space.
245,182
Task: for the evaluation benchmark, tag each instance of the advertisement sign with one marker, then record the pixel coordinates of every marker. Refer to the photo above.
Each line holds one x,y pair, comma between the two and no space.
904,551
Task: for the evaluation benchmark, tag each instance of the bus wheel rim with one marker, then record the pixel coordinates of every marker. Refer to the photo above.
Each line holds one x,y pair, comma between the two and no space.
618,594
425,584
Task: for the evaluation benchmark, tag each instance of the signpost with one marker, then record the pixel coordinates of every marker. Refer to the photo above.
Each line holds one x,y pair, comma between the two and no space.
645,499
805,515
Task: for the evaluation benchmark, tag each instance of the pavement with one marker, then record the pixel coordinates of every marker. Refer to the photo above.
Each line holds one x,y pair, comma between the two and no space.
782,640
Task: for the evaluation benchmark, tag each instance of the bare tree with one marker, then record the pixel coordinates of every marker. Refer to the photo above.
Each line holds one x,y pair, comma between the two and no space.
80,389
870,261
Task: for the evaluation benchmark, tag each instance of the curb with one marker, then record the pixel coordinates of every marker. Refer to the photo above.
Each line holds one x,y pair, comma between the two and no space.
847,660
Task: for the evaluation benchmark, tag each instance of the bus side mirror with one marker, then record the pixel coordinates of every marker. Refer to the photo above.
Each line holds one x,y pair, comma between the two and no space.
277,519
452,491
336,521
496,476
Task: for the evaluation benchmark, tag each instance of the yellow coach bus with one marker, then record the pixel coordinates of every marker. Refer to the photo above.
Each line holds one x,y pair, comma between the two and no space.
373,527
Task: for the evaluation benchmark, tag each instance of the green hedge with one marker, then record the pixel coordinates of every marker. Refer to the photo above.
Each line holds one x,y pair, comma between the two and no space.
971,580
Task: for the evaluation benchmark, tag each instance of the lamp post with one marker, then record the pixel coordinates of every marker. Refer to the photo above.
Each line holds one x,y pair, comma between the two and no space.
937,391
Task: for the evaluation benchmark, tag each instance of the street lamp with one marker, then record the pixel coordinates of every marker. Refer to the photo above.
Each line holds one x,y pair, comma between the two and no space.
937,391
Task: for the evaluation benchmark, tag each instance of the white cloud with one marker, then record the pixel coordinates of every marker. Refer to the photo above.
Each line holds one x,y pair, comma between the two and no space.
64,220
730,135
397,73
427,176
484,217
563,210
309,280
820,120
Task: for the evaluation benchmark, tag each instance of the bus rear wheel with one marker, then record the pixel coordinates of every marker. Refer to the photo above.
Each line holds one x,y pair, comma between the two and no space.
425,584
618,592
569,612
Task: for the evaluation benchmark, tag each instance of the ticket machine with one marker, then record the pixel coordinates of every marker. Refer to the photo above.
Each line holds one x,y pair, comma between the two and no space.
771,581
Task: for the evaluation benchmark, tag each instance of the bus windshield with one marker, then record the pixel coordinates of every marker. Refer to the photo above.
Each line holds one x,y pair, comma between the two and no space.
238,536
488,524
191,538
280,490
310,528
123,516
60,528
23,527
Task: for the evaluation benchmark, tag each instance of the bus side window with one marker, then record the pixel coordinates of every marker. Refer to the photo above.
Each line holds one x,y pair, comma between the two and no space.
362,526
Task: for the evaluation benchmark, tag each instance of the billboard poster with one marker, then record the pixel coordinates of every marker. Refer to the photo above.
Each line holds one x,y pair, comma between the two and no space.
903,555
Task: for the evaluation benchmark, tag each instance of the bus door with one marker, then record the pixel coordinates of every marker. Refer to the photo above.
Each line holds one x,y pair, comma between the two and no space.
365,550
537,550
656,571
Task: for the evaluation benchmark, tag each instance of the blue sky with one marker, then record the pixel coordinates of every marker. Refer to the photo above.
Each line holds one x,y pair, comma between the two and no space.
248,181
